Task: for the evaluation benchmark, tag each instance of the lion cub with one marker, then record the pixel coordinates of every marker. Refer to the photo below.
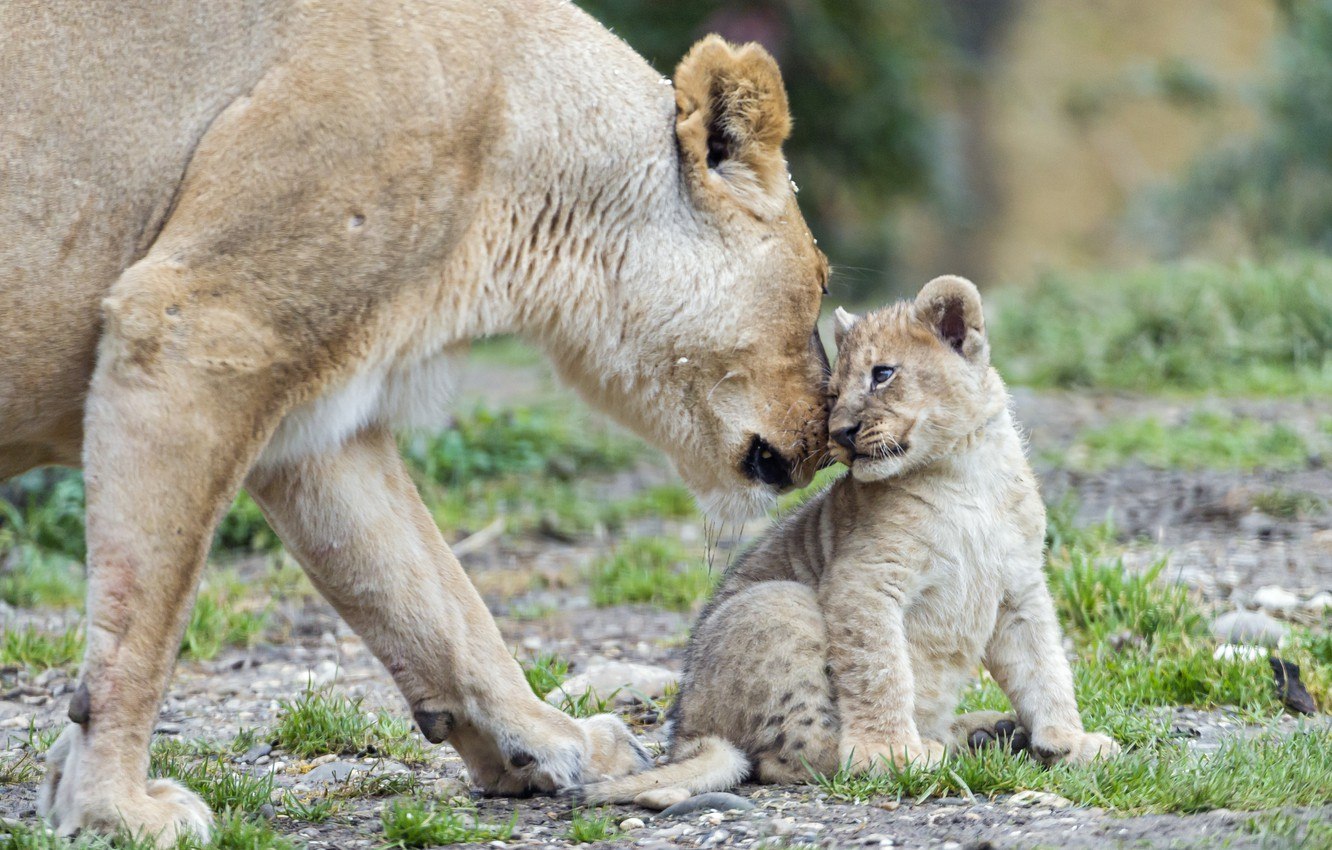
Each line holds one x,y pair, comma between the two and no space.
846,634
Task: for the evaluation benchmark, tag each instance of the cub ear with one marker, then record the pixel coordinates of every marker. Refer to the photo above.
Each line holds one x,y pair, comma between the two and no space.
952,307
731,119
843,322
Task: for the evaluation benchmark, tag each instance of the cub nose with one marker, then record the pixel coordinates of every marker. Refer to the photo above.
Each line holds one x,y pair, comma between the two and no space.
846,437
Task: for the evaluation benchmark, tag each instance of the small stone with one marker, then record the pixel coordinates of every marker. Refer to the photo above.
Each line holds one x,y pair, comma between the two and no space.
334,771
629,682
877,838
1039,798
1231,652
711,818
630,824
1253,628
720,836
253,754
718,801
447,788
890,805
1322,539
1319,602
1274,598
267,811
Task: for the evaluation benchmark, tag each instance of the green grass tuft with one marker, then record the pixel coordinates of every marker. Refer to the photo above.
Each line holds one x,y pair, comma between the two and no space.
208,772
1203,440
221,618
1266,772
1246,329
319,722
1288,504
545,673
587,828
416,823
37,649
650,570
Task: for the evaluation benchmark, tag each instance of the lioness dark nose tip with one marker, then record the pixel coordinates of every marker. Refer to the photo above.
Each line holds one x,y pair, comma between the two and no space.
766,465
846,437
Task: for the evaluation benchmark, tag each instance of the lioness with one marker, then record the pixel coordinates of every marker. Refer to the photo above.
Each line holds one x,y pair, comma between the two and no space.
845,635
244,240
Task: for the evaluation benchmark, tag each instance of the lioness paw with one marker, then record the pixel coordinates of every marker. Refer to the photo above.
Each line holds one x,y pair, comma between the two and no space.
872,757
1072,746
163,811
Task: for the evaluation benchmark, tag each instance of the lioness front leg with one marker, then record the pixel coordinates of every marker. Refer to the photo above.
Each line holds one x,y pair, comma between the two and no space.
163,457
354,520
871,670
1026,657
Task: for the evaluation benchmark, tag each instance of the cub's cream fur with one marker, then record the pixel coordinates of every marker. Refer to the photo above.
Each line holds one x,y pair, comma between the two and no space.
846,635
245,240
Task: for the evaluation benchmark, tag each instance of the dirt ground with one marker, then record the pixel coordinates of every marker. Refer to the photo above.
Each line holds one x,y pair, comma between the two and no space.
1219,547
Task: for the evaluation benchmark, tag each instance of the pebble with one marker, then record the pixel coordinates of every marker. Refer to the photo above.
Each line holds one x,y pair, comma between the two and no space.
718,801
334,771
255,753
1252,628
1319,602
1274,598
1231,652
267,811
720,836
629,682
1039,798
630,824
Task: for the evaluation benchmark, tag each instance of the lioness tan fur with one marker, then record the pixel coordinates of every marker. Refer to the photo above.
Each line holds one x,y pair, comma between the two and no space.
245,239
846,635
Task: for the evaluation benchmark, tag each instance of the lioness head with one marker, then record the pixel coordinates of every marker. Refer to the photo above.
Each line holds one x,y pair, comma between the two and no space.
717,357
913,381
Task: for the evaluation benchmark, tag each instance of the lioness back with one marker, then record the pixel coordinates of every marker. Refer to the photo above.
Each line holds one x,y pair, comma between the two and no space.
876,600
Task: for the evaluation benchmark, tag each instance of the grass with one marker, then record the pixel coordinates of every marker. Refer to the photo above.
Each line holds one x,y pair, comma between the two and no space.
210,775
1273,771
35,577
1288,504
545,673
18,770
1202,440
417,823
650,570
313,809
319,722
1280,831
37,649
587,828
221,618
1235,330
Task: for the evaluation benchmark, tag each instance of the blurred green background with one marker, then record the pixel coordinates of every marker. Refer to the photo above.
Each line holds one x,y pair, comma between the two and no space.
1009,139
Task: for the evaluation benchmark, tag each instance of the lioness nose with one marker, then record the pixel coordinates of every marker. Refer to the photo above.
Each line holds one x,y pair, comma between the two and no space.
846,437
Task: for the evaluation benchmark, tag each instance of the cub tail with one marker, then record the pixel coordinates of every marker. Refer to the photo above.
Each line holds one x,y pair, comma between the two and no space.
704,764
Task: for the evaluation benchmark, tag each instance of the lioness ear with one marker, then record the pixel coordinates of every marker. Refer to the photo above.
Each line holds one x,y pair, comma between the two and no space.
952,306
843,322
731,119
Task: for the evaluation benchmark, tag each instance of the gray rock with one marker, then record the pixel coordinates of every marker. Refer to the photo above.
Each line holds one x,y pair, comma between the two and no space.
254,753
334,771
1252,628
628,681
267,811
718,801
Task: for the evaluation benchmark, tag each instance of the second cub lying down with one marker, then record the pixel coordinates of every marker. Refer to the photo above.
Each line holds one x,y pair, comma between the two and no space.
847,633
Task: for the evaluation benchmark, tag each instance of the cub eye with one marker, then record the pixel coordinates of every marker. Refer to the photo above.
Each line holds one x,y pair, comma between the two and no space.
880,375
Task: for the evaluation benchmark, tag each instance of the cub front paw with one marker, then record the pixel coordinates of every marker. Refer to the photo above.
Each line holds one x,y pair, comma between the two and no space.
1072,746
878,756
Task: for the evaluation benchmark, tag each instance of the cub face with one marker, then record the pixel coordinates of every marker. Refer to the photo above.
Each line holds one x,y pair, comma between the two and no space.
912,381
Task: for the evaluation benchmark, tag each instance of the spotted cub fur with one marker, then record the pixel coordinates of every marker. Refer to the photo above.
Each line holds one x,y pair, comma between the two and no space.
845,636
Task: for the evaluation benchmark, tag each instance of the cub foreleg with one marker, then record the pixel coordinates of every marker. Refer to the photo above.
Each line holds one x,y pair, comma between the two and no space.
1026,658
871,668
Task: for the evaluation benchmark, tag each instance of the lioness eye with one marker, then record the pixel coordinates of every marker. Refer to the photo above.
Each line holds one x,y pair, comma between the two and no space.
879,375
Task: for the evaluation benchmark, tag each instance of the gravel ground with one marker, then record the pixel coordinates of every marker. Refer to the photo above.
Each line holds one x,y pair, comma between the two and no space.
1219,545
